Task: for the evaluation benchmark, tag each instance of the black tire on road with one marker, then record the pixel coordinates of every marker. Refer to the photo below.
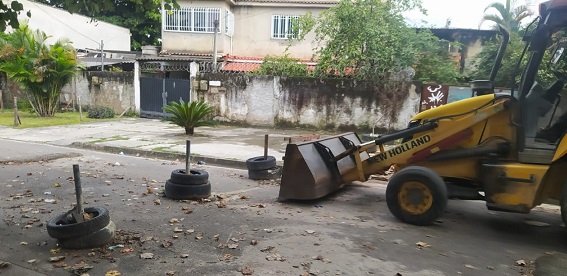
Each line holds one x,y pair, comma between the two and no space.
197,177
271,173
64,225
416,195
96,239
260,164
193,192
563,204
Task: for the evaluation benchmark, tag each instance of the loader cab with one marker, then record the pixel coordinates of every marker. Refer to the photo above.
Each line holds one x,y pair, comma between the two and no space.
542,115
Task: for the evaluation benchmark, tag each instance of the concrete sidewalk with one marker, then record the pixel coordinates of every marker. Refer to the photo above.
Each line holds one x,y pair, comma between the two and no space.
222,145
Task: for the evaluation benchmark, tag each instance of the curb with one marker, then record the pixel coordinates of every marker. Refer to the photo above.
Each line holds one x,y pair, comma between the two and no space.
44,158
237,164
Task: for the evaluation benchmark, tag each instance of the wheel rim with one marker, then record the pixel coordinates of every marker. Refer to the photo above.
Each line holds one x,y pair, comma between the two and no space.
415,197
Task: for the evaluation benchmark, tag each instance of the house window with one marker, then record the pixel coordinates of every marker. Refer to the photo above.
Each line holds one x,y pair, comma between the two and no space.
199,20
282,26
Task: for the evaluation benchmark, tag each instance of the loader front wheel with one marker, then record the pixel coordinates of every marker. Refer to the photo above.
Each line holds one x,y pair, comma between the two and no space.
416,195
563,204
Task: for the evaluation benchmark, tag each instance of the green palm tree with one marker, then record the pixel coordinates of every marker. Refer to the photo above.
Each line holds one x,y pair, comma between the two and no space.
39,68
189,115
508,15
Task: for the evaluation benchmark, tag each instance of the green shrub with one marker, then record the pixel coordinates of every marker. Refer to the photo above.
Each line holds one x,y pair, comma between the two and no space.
101,112
189,115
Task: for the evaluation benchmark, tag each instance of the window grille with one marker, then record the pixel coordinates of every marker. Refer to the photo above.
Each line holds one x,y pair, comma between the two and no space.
188,19
282,26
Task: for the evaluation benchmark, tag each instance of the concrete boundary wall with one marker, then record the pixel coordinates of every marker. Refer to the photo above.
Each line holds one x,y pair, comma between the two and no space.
110,89
320,103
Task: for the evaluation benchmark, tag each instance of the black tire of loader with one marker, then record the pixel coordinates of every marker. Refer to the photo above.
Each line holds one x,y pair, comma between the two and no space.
429,178
183,192
63,226
197,177
271,173
96,239
258,163
563,204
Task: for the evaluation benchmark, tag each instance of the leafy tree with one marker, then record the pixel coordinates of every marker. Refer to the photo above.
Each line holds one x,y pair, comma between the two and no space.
142,17
41,69
9,14
508,14
282,66
507,75
368,39
189,115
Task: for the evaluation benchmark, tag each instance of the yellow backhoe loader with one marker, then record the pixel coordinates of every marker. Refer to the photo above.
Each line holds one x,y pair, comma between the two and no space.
506,149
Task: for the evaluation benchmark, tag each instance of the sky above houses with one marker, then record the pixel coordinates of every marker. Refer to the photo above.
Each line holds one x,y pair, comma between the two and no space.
462,13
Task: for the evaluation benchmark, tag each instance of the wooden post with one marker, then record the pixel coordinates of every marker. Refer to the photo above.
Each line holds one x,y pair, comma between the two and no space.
17,121
266,147
80,109
1,102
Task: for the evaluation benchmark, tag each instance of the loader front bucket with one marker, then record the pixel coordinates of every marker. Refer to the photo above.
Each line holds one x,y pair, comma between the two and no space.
311,171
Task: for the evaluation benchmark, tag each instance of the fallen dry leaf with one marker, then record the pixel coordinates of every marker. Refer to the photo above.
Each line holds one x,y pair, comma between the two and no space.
127,250
157,202
173,220
147,256
184,256
232,245
246,271
422,244
275,257
253,242
269,248
60,265
470,266
113,273
56,259
221,203
521,262
177,230
171,272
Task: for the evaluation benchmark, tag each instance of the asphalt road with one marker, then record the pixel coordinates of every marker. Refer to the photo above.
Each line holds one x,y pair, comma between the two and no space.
243,228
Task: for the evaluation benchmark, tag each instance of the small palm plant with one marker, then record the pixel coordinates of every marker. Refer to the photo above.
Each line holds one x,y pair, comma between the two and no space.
189,115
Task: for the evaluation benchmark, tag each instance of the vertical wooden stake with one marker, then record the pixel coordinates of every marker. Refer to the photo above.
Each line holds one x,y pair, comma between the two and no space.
188,157
16,115
266,147
1,101
80,110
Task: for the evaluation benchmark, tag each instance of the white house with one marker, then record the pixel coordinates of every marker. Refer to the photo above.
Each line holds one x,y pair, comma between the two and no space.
81,30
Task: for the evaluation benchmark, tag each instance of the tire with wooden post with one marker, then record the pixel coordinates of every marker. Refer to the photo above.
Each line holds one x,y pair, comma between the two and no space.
262,167
261,163
184,192
195,177
64,226
192,184
82,228
96,239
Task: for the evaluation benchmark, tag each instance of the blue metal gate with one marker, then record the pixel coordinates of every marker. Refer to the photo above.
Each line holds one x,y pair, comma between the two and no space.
155,93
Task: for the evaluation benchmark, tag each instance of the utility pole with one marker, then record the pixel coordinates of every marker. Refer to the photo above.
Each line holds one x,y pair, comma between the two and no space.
215,46
101,55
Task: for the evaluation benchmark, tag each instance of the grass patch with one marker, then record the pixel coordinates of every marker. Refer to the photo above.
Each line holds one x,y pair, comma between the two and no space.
29,120
107,139
162,149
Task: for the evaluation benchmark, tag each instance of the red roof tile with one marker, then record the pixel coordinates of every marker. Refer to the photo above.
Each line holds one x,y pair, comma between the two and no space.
240,67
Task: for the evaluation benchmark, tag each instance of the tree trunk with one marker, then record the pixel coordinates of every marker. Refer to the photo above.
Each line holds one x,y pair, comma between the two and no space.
189,130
